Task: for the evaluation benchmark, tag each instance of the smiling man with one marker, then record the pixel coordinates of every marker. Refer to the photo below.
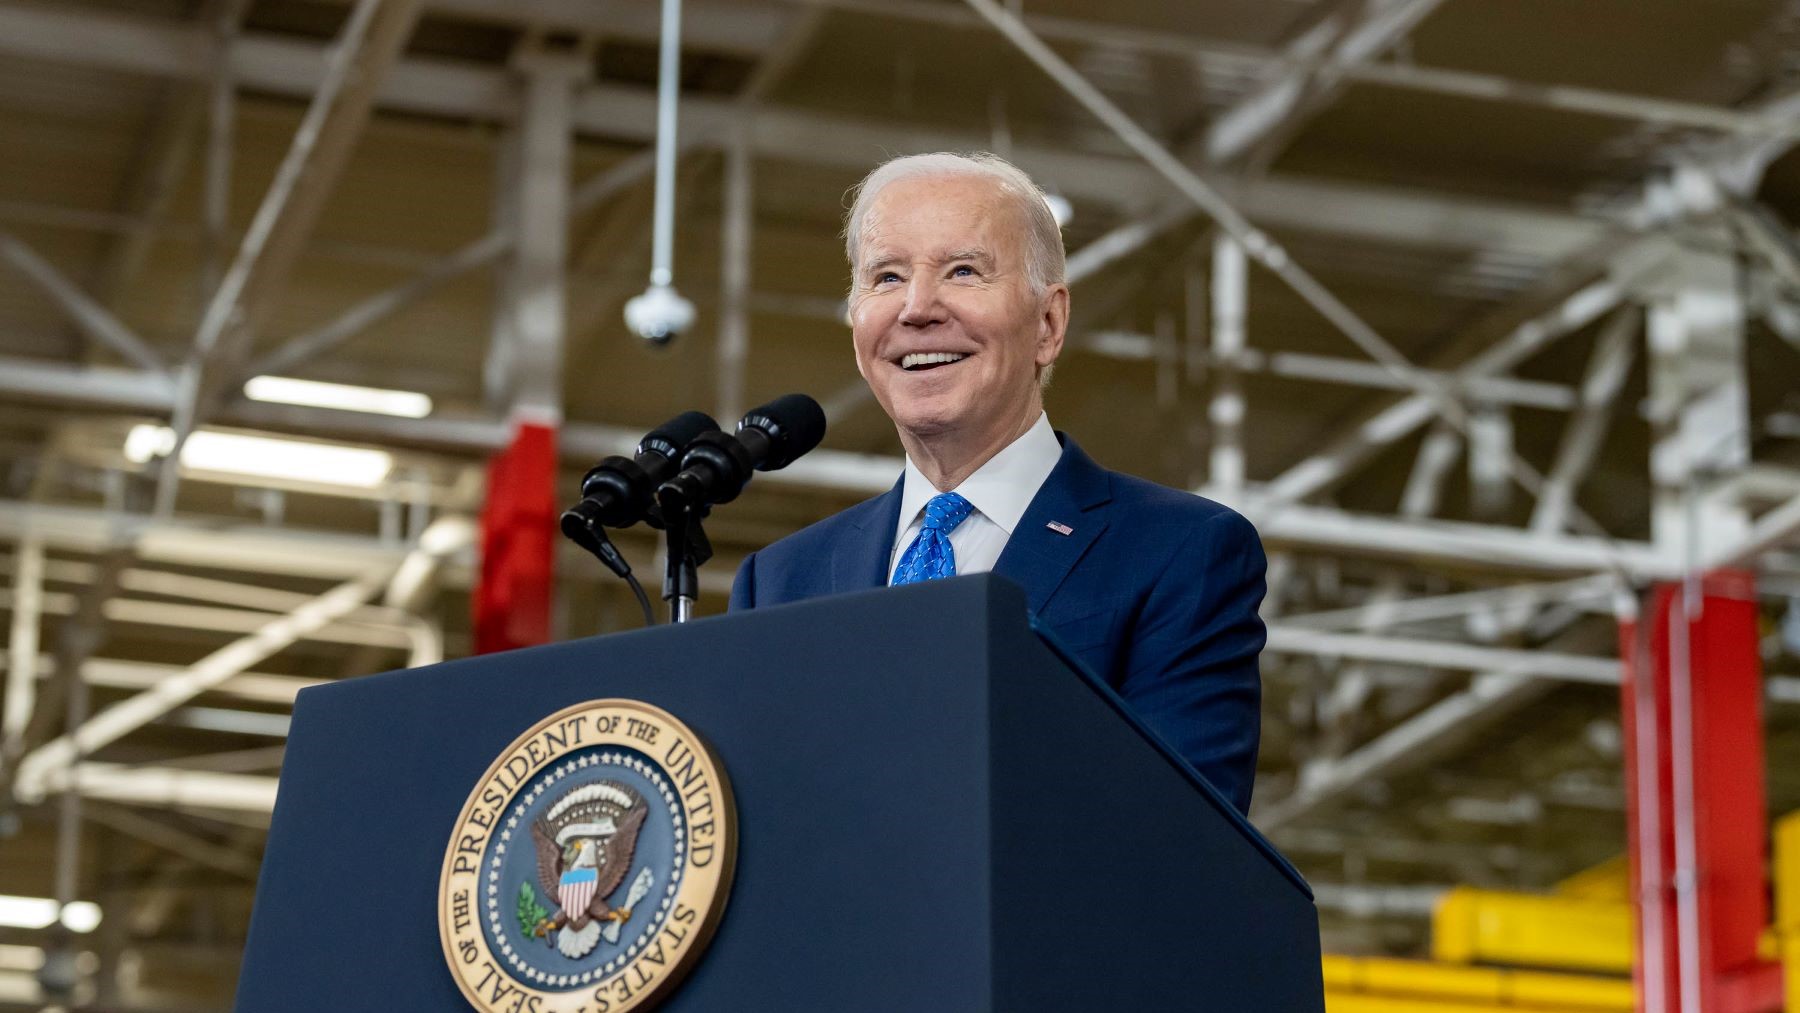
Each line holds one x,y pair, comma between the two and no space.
958,309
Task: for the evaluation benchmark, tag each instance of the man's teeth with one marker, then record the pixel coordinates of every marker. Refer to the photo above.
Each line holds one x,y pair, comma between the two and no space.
930,359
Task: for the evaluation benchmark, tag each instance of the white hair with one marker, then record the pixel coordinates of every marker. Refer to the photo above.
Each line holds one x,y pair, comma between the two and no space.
1044,257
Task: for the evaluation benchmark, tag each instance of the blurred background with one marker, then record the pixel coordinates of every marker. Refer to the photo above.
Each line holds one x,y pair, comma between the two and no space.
1486,312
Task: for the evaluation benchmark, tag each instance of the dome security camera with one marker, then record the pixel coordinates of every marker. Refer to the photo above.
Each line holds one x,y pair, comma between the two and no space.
659,314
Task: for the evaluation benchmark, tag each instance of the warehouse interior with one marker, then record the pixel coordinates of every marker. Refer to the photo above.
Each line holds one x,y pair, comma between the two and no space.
1485,312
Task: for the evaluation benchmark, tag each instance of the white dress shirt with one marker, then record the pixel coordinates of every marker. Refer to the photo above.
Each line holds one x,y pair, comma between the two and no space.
999,490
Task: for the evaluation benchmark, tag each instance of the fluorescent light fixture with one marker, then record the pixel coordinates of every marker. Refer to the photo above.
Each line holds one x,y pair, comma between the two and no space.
342,396
40,913
264,456
1060,208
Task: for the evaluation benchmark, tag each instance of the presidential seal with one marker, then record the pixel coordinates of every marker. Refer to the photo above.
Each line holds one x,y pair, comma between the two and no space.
589,866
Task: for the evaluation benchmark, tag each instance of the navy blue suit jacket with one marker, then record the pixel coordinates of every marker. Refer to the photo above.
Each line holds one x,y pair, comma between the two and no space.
1155,590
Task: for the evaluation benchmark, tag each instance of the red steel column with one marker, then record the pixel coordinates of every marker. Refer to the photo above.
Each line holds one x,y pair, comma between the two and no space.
1697,817
511,601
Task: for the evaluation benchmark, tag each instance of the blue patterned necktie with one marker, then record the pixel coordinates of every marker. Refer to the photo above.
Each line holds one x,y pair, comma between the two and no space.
930,556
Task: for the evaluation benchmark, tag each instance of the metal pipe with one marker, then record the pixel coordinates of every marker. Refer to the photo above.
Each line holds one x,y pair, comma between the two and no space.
1229,307
22,650
668,97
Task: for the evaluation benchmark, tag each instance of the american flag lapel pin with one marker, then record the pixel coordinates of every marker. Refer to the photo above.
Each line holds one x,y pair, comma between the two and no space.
1060,528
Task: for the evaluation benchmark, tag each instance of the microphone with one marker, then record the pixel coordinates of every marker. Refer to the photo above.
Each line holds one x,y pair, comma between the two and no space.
716,467
620,491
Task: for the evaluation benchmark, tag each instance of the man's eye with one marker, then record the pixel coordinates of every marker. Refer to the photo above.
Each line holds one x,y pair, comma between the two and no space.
962,271
886,276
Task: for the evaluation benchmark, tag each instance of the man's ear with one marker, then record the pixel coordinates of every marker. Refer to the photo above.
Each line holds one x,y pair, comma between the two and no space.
1053,324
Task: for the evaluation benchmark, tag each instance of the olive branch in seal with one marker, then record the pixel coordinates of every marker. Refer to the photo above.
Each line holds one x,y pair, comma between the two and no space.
531,913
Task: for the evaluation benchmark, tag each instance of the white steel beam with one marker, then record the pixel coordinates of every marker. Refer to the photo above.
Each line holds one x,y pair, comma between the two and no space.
531,383
1449,606
163,787
1506,390
1230,304
1607,367
22,647
1444,654
283,66
37,768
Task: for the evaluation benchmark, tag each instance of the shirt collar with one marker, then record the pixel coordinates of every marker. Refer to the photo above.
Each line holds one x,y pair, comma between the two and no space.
1002,488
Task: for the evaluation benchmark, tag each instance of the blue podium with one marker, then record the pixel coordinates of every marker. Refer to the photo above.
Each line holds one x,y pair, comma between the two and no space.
935,812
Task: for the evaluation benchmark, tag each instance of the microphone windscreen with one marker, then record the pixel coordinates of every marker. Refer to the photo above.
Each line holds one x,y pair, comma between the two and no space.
795,424
673,436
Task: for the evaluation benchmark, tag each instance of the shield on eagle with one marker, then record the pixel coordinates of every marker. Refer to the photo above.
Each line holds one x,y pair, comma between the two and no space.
585,842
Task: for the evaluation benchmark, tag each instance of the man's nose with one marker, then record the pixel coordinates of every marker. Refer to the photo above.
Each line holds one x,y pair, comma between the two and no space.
923,307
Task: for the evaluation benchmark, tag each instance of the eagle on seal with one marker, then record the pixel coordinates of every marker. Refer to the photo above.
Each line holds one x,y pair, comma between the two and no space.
585,842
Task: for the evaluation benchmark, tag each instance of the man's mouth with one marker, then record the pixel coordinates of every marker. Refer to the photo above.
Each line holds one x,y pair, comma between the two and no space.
920,361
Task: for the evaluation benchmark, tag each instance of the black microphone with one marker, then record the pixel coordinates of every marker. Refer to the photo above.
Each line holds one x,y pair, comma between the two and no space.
620,491
716,467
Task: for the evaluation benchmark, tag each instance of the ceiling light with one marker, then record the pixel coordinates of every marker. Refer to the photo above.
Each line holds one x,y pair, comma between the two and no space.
342,396
235,454
1060,208
40,913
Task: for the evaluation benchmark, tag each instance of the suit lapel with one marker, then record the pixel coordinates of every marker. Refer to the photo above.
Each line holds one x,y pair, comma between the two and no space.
1038,556
860,560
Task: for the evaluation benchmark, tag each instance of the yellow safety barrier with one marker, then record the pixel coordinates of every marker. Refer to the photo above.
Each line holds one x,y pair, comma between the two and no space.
1610,880
1370,984
1787,904
1473,926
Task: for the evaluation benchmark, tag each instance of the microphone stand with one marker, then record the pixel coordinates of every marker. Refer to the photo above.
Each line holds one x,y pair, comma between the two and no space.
688,547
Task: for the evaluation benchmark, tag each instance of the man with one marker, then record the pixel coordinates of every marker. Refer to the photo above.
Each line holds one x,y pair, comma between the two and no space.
958,310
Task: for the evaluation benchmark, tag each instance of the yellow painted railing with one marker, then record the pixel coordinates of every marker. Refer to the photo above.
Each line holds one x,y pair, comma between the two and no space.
1376,985
1586,925
1532,930
1787,904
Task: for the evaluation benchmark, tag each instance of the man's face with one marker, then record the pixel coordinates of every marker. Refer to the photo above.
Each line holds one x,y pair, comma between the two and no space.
943,277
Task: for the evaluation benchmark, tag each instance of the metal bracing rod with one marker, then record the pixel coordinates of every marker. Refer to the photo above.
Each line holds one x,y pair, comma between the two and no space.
369,42
1256,243
1246,60
1418,739
382,305
1406,611
1284,639
220,620
176,841
668,98
1601,383
94,319
489,248
22,649
1424,488
114,673
37,768
1265,111
1315,62
1505,390
1315,473
221,129
1775,529
1568,98
165,787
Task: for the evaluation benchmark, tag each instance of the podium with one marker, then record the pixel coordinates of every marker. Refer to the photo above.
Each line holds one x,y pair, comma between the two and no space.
935,811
